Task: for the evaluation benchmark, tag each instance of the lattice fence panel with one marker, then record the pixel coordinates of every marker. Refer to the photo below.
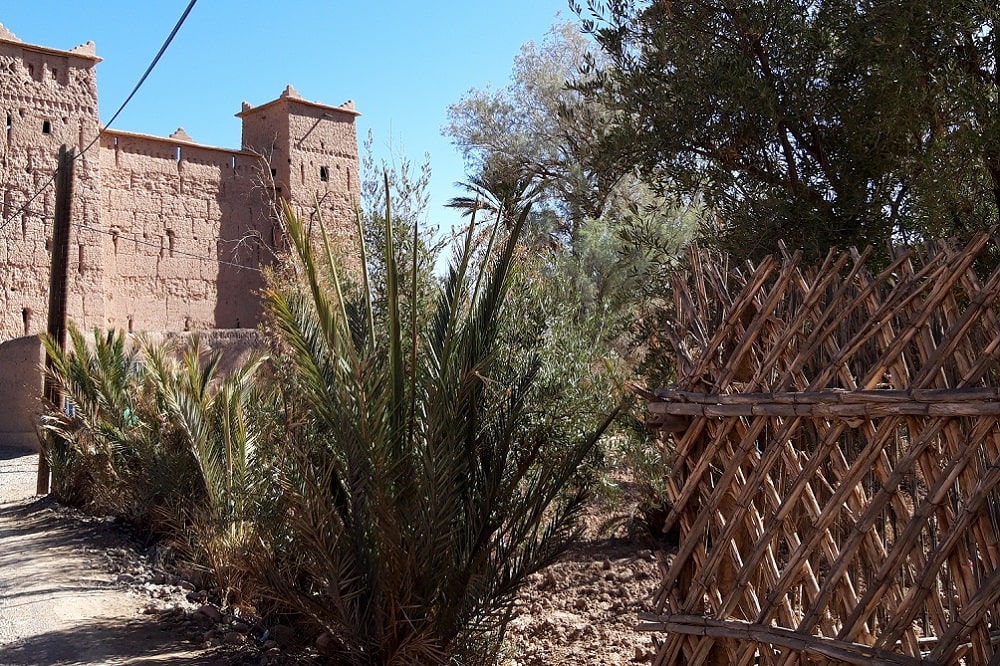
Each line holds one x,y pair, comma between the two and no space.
837,475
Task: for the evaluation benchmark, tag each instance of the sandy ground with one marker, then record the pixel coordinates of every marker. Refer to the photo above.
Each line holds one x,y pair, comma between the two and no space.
55,607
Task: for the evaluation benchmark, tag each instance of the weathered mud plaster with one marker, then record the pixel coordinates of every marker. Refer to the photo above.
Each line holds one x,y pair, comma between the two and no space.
168,235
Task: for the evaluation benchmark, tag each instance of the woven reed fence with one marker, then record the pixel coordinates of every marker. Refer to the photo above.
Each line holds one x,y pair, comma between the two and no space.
836,478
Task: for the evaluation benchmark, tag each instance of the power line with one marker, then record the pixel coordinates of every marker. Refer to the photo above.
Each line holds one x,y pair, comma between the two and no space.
142,241
142,80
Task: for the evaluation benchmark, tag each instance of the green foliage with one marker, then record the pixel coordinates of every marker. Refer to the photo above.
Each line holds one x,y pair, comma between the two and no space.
224,423
414,495
818,122
156,436
538,131
110,452
398,185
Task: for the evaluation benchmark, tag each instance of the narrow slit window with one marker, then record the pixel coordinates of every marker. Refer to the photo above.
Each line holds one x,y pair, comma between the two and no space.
170,242
80,263
324,174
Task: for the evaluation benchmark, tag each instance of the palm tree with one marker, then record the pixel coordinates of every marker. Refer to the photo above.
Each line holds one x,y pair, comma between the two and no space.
418,492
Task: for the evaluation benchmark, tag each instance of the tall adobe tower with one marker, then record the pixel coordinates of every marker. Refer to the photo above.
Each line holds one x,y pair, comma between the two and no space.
48,97
312,150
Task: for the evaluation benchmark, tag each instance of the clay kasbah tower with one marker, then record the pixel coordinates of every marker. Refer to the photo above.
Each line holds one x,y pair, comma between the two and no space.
167,234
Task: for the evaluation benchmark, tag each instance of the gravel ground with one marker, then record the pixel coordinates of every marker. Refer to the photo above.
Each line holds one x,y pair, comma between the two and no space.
76,589
56,607
18,470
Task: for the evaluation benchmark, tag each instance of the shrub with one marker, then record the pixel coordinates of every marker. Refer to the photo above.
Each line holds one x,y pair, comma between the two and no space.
417,492
156,436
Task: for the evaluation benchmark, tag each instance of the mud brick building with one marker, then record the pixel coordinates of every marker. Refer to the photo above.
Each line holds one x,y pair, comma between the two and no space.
167,234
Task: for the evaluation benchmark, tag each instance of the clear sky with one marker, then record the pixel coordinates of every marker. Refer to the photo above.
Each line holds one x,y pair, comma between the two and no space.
401,62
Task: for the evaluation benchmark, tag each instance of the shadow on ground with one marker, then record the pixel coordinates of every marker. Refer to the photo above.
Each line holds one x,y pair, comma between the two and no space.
124,642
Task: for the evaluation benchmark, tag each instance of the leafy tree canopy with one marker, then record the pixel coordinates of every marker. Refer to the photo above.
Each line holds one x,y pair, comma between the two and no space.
537,138
819,122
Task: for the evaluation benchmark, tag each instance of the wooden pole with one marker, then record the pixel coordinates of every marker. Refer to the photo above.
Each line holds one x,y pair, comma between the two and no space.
57,292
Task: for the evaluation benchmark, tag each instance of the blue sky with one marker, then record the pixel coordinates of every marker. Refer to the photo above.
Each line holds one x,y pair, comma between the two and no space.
402,63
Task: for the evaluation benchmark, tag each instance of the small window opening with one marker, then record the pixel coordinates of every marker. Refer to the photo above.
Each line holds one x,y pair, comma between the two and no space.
10,124
274,173
130,323
170,242
114,241
324,174
26,319
232,162
177,153
187,323
80,264
46,127
348,180
302,172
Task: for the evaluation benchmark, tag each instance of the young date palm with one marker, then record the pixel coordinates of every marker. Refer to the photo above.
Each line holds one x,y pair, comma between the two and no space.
92,461
418,491
157,434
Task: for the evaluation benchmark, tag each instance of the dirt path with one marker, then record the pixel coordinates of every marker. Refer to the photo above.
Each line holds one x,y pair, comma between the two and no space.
56,607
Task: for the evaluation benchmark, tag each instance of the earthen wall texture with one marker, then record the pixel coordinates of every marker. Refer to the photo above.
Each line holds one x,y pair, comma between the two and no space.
188,224
47,99
168,234
20,391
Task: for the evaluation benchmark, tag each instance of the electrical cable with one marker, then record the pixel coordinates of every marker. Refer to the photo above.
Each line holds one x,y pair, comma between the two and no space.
140,241
142,80
173,253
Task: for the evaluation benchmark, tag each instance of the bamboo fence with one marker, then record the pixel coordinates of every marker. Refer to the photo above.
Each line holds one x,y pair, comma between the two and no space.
836,478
